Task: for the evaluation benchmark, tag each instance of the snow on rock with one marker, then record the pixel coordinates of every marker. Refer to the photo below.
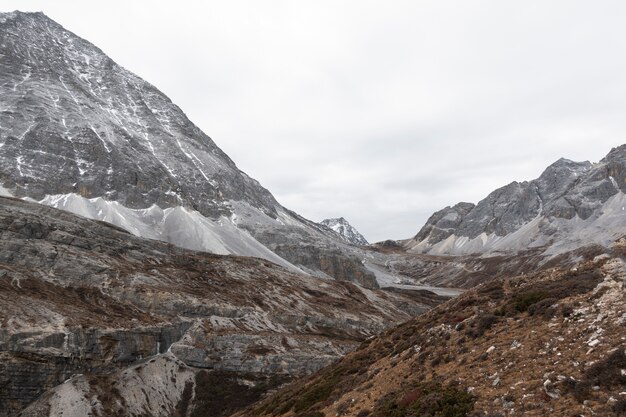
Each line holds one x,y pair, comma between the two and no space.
345,230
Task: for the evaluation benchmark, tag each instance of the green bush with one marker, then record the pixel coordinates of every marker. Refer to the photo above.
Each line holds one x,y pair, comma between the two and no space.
522,301
428,400
480,325
316,394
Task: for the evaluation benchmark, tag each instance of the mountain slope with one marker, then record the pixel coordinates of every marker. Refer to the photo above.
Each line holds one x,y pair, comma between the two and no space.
79,132
568,206
83,297
550,343
75,121
345,230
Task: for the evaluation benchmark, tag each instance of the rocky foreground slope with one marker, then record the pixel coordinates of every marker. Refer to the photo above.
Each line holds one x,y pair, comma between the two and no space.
154,328
544,344
570,205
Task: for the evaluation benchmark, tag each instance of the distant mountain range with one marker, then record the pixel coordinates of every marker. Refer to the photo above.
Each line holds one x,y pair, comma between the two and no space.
83,134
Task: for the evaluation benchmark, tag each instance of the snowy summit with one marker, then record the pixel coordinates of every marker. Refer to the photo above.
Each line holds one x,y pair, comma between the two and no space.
345,230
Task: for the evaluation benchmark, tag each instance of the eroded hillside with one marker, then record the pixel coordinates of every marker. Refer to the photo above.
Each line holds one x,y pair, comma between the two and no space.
83,297
550,343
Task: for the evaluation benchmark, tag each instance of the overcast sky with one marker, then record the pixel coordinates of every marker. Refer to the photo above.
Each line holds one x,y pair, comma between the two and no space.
381,112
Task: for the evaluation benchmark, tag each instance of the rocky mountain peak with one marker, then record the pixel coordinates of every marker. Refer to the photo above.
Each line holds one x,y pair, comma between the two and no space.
570,203
68,105
17,14
443,222
615,163
617,153
563,169
347,232
81,133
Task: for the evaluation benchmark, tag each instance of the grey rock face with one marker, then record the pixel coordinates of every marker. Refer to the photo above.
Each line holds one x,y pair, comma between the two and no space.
80,296
74,123
162,386
345,230
564,191
444,222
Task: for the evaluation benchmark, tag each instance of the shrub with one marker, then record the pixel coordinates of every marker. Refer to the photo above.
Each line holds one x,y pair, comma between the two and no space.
543,308
492,289
428,400
318,393
480,325
605,373
523,301
570,284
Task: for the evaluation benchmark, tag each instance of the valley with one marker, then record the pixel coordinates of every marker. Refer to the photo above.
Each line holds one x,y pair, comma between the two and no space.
142,273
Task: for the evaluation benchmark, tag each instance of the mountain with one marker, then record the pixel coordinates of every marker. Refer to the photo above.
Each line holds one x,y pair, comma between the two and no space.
80,132
548,343
115,306
570,205
345,230
96,320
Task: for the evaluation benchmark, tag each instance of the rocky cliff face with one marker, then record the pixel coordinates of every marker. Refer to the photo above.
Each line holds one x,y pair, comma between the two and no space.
569,205
345,230
81,133
84,297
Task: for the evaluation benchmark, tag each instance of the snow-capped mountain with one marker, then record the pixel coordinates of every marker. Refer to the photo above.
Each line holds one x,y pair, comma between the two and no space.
345,230
79,132
570,205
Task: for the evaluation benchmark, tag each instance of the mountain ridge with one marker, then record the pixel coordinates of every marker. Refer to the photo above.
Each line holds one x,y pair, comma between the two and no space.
536,344
78,127
567,199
